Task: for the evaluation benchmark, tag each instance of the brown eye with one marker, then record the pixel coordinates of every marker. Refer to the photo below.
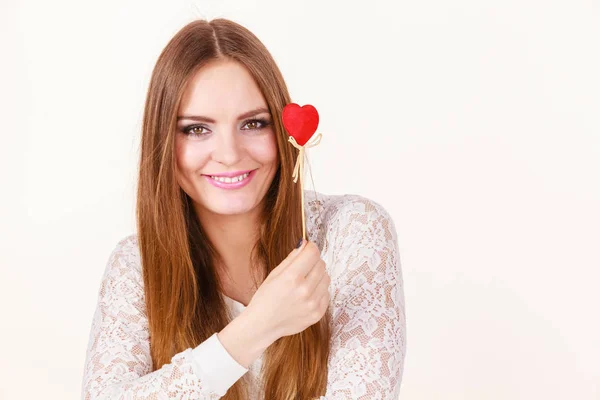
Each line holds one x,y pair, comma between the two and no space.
256,124
194,130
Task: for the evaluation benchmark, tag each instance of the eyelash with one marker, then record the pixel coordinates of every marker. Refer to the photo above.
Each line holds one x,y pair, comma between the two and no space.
187,130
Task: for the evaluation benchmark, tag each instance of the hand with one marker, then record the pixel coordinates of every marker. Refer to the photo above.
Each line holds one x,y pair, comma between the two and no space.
295,294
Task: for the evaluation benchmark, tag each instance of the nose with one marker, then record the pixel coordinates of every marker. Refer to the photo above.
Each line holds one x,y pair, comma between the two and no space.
227,148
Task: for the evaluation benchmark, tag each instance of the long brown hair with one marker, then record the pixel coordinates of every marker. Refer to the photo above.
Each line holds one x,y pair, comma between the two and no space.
182,289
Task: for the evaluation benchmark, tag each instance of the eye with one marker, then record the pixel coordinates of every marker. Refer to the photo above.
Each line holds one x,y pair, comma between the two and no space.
194,130
256,124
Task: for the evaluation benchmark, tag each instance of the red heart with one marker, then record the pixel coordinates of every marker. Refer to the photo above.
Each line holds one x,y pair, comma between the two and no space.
300,122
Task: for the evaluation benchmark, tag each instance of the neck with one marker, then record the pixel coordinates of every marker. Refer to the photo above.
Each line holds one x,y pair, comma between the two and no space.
233,236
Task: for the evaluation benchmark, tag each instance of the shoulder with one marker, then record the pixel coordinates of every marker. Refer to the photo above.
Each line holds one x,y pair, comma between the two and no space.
361,245
127,248
353,214
124,258
349,224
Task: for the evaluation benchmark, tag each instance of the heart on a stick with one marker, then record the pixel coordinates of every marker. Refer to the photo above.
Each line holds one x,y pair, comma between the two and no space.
300,122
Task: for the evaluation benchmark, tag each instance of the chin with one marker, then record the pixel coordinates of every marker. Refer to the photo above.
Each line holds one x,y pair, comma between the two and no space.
230,206
230,210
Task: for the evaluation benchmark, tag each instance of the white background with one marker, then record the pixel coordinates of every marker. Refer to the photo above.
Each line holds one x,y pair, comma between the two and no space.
475,123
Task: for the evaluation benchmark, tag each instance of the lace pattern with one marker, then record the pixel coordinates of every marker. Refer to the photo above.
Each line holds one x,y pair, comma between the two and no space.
358,242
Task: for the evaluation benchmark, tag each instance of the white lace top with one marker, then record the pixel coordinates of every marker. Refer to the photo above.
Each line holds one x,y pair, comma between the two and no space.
358,242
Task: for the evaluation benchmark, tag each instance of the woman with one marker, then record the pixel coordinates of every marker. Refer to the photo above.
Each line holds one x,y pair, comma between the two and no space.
209,299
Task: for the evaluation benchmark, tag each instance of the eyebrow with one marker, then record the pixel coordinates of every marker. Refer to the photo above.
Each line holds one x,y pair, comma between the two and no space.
212,121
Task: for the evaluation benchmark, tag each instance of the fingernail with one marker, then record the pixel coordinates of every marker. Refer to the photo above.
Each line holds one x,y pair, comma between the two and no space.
299,243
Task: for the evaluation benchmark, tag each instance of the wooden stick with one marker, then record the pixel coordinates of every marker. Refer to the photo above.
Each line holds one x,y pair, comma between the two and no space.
299,171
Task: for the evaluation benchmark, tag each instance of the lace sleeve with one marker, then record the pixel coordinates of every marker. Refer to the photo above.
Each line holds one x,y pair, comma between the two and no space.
118,363
369,324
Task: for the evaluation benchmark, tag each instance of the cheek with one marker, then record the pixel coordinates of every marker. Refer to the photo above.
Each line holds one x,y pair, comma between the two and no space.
265,149
191,156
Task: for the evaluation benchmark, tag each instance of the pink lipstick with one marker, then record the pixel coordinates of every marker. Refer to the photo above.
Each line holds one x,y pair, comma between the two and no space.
231,180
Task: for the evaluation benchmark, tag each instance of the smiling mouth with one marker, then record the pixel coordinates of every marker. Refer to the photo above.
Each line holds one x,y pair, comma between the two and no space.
234,179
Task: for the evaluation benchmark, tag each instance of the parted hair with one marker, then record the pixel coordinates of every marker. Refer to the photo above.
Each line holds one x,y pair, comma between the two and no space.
182,288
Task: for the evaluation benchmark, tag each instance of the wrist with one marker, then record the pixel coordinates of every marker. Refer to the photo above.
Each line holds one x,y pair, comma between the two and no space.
246,337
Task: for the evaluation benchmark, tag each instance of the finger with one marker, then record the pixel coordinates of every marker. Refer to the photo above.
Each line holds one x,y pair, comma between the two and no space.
290,257
305,260
315,274
325,299
322,287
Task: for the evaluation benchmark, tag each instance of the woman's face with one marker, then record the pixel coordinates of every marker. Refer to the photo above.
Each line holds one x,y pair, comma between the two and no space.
224,128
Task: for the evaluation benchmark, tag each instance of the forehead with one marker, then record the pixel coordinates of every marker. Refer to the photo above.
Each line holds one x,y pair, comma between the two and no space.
222,89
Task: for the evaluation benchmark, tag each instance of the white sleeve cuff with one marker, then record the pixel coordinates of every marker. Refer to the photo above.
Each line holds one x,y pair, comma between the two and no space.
214,365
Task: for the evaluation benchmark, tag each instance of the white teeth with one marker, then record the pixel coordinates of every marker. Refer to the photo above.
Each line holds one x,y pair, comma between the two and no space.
230,180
